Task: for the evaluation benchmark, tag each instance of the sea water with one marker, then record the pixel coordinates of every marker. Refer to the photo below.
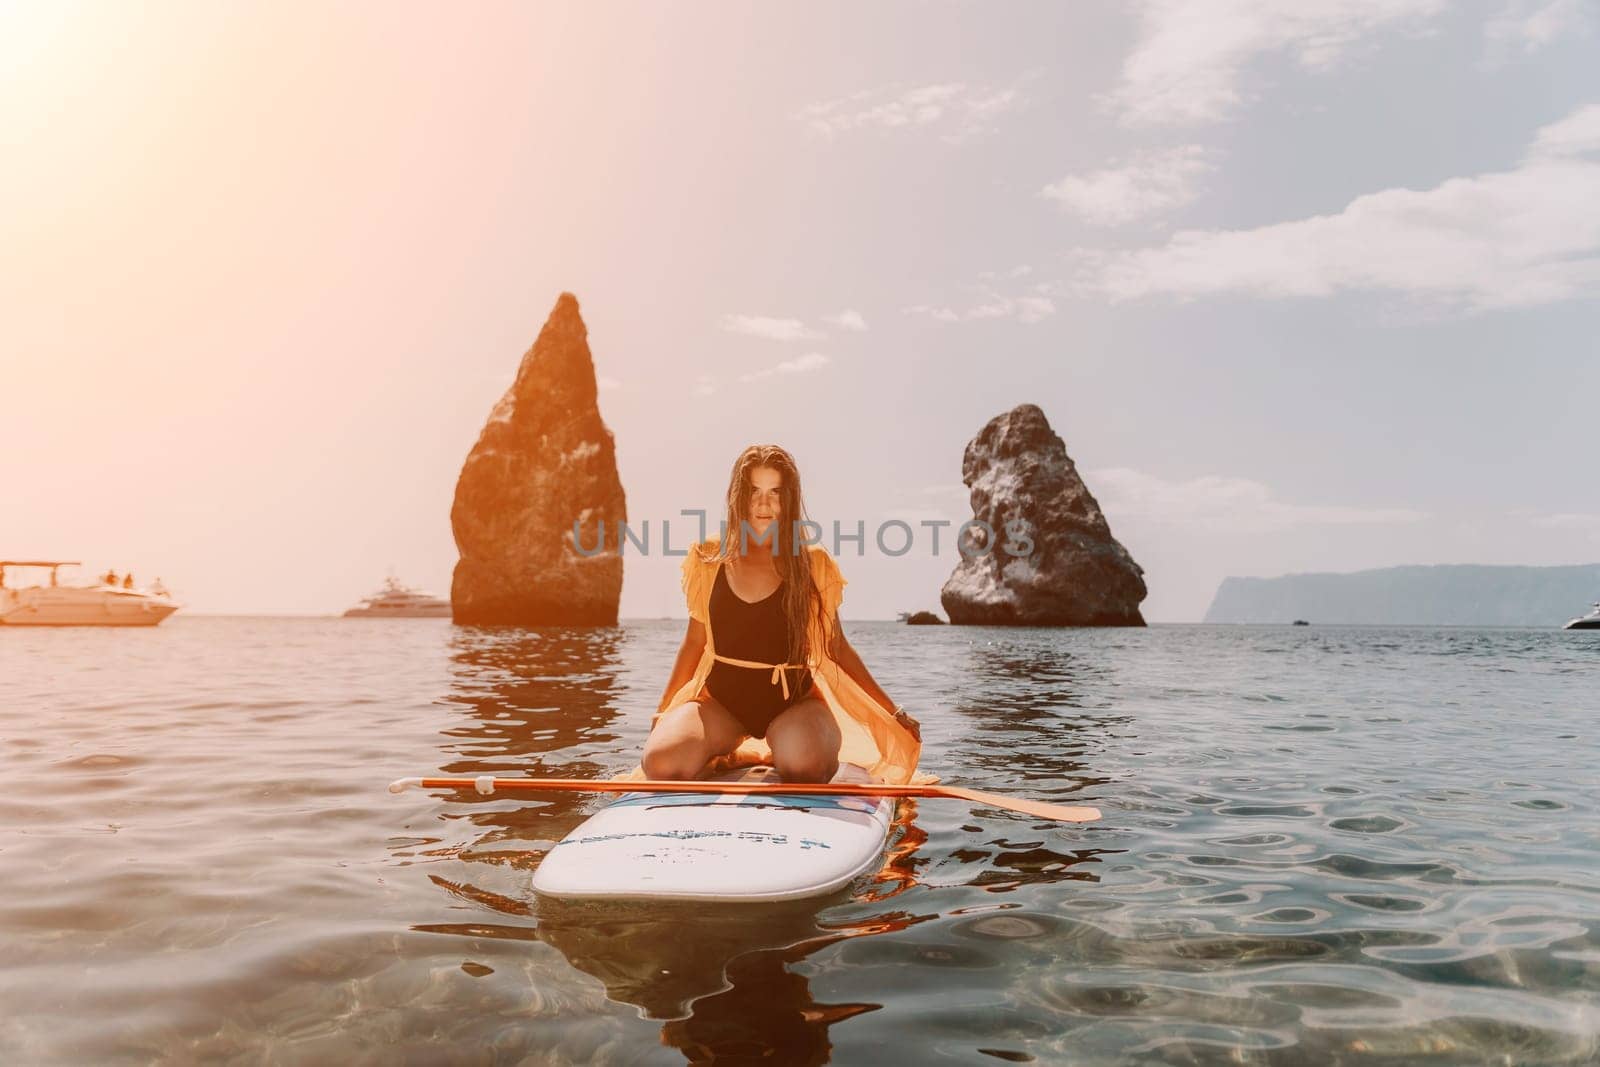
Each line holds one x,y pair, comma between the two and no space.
1319,844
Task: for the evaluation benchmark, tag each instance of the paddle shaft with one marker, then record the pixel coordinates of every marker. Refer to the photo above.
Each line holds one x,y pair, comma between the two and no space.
486,785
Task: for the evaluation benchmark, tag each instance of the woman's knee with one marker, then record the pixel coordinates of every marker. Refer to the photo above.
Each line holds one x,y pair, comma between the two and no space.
814,765
805,743
685,738
670,762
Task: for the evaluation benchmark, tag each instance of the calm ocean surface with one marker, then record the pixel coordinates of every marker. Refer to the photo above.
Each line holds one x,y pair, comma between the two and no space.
1335,845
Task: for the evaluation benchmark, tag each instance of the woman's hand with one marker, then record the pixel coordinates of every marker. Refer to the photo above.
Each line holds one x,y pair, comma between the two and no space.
903,717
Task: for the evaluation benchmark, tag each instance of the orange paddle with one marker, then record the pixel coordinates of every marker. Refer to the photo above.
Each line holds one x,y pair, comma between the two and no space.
487,784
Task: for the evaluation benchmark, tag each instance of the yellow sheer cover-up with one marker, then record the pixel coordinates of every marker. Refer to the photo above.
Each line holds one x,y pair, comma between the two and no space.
870,737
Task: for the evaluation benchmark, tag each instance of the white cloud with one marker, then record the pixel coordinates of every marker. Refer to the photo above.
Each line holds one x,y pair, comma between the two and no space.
1015,272
1215,503
801,365
1569,521
1528,25
849,319
1576,135
938,314
705,385
1148,184
1189,62
960,110
1028,308
770,328
1516,238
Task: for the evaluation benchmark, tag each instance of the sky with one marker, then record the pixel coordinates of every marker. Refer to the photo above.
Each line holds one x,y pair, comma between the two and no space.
1302,286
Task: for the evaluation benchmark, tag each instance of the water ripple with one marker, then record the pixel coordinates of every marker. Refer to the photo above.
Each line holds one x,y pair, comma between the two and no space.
1333,845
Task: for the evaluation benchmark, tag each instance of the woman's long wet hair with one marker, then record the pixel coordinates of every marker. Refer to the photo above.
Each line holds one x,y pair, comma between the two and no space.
801,597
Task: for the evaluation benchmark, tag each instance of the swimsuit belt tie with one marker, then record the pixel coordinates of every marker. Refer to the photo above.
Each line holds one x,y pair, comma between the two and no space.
779,678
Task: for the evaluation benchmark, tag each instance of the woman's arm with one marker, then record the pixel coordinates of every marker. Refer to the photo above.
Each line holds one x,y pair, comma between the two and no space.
689,653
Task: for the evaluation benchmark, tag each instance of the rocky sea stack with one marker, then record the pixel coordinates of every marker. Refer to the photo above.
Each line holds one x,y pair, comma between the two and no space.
543,462
1076,573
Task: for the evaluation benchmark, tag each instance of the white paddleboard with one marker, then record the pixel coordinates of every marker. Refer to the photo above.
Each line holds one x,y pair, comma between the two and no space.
712,846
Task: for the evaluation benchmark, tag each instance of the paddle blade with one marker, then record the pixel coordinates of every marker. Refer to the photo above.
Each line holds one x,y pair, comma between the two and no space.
1038,808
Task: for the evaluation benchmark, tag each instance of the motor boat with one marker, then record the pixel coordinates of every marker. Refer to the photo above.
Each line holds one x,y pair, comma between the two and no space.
398,601
1590,621
58,604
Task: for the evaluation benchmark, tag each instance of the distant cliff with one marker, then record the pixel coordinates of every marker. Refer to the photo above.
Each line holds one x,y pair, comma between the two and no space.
1439,595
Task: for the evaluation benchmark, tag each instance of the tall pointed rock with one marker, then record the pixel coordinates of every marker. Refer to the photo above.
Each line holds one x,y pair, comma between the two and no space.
543,462
1075,574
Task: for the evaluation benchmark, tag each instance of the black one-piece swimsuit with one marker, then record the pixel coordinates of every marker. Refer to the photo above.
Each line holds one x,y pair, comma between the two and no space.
757,632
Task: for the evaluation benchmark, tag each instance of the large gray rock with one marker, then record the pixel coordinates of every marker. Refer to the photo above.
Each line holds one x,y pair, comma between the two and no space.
1076,574
543,460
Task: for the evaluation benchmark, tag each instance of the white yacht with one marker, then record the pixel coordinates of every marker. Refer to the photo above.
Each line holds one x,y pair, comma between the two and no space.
56,604
1590,621
397,601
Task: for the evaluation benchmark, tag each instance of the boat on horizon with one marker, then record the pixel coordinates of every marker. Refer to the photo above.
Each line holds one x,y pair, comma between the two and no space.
1590,621
101,604
399,601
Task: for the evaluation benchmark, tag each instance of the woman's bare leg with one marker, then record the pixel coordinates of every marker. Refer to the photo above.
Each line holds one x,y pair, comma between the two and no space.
805,742
687,736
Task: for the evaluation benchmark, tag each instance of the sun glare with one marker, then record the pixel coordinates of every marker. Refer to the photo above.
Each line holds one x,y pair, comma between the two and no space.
31,33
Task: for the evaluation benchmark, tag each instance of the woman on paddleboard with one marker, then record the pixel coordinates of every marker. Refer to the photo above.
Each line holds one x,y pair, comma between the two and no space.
765,673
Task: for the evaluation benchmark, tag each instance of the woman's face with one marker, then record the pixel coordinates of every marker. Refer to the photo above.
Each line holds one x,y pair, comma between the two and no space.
765,506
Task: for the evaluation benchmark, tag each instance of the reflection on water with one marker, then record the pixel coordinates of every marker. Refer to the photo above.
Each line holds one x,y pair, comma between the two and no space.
1030,694
1337,845
1026,671
681,961
530,695
534,702
530,703
721,980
